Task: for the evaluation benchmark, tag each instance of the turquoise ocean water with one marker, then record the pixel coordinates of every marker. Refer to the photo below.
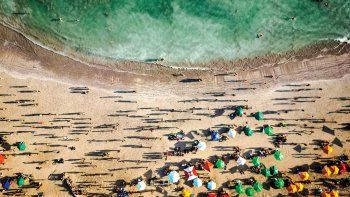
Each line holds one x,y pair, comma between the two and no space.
179,30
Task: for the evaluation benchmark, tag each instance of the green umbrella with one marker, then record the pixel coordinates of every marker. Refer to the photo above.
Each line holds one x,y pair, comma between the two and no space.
239,189
268,130
248,131
239,111
278,155
20,181
259,116
21,146
256,161
258,187
266,172
220,164
279,183
249,191
274,170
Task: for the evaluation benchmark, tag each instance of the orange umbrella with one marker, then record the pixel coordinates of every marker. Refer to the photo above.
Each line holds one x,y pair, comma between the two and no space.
334,169
2,159
326,171
334,193
292,189
325,194
304,176
328,149
299,186
208,165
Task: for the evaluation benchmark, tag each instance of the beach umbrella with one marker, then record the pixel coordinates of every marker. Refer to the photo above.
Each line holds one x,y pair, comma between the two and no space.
232,133
197,182
201,146
208,165
7,184
279,183
266,172
239,111
211,185
212,195
258,187
141,186
20,181
328,149
215,136
343,167
249,191
239,189
173,177
256,161
326,171
300,186
292,189
334,170
220,164
304,176
21,146
186,193
334,193
268,130
191,173
325,194
241,161
259,116
278,155
2,159
248,131
274,170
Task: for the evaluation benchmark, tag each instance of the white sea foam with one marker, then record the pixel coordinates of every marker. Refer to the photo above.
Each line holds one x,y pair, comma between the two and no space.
344,39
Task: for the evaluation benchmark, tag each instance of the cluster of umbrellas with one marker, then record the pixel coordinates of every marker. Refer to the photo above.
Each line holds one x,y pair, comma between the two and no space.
333,193
249,191
328,171
8,182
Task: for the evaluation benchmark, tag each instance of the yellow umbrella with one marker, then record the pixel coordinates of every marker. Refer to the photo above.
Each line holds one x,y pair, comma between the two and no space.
325,194
186,193
300,186
292,189
334,193
304,176
334,169
326,171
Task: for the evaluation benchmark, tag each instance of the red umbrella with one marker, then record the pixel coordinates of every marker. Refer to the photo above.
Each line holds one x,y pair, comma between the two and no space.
208,166
224,195
212,195
343,167
2,159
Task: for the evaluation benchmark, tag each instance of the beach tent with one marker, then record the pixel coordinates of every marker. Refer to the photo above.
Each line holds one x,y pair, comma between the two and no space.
259,116
268,130
220,164
279,183
292,189
325,194
328,149
191,173
2,159
173,177
274,170
232,133
211,185
256,161
326,171
215,136
141,186
20,181
258,187
186,193
334,193
343,167
304,176
197,182
239,111
266,172
248,131
21,146
208,165
241,161
6,184
278,155
249,191
201,146
239,189
334,170
300,186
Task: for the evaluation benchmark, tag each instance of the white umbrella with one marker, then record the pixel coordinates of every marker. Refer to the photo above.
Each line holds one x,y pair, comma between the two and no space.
241,161
174,177
201,146
211,185
141,186
197,182
232,133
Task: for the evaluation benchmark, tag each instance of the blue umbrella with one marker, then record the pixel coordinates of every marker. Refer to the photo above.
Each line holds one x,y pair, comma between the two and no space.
197,182
7,184
211,185
215,136
174,177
